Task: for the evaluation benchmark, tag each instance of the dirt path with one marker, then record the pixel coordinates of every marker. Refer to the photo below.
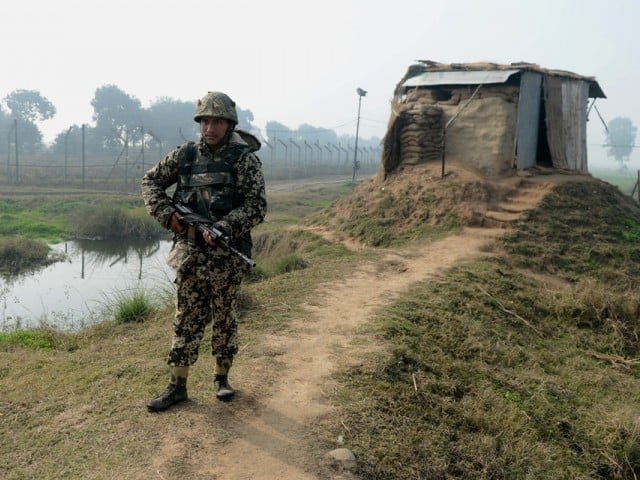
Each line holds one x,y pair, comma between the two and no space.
265,428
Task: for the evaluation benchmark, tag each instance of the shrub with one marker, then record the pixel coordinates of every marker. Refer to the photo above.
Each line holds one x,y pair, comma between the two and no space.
18,254
132,307
290,263
112,221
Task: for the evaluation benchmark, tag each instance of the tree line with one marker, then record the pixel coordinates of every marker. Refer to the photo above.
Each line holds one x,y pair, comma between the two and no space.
120,120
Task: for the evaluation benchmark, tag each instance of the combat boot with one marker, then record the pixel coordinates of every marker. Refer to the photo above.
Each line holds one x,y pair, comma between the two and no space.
224,391
172,395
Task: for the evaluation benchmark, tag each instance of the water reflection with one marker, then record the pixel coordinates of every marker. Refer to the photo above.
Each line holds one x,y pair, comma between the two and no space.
101,253
74,292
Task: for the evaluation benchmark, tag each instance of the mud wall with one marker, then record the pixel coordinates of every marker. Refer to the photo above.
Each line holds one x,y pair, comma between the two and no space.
481,136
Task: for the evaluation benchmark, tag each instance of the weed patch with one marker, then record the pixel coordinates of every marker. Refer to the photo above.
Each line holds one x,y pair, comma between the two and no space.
45,339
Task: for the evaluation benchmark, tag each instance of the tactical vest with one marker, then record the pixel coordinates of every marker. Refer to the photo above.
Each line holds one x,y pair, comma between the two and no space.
208,185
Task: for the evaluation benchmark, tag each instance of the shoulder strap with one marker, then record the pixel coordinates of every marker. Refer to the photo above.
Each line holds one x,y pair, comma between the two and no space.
186,157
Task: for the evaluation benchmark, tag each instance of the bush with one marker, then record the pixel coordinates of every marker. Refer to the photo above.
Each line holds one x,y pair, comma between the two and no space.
18,254
290,263
132,307
112,221
257,274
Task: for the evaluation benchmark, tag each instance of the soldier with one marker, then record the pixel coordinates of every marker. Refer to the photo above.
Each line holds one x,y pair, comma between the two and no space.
220,178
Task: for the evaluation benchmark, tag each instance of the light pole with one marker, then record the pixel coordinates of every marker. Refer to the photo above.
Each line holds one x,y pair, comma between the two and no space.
361,93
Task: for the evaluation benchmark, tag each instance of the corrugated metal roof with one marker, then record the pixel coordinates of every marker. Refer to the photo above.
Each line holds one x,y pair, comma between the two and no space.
482,77
466,77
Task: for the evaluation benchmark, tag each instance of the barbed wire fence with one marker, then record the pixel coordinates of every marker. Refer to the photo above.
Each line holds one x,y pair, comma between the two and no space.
283,158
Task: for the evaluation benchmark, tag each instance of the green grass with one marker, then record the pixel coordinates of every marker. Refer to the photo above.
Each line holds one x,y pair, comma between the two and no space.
573,236
43,338
290,207
54,218
623,179
135,306
29,339
31,221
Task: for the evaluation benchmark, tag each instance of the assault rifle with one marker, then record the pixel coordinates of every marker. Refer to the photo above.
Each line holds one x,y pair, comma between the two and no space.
203,224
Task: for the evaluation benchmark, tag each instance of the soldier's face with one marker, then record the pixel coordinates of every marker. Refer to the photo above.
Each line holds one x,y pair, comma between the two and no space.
213,129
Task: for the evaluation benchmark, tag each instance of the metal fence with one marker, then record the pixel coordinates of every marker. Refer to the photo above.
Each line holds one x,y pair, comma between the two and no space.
282,158
636,188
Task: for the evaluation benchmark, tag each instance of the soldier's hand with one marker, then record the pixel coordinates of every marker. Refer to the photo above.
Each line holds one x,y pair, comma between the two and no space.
209,240
175,225
224,228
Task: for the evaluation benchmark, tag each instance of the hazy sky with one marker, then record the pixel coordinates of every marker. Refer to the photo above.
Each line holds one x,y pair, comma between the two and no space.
301,62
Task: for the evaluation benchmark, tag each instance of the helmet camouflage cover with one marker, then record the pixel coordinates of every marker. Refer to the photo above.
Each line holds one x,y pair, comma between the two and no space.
216,104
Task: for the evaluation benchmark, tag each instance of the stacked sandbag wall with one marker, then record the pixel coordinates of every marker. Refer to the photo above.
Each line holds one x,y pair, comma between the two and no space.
480,127
421,134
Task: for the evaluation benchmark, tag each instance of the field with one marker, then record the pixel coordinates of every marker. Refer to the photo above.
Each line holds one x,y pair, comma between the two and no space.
437,328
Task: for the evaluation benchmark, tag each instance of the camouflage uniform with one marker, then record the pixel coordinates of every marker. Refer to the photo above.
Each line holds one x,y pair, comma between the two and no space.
208,278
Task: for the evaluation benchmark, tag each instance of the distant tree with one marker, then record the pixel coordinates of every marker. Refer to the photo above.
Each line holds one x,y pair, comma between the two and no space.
312,134
5,125
245,119
169,122
278,130
621,136
29,107
118,116
70,140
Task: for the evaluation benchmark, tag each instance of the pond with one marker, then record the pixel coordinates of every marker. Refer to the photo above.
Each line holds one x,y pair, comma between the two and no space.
77,291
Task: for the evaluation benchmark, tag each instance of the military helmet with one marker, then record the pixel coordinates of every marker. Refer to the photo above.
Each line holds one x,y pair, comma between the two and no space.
216,104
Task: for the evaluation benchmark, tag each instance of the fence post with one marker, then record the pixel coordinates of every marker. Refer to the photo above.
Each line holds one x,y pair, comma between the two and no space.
9,155
142,128
66,153
15,132
83,155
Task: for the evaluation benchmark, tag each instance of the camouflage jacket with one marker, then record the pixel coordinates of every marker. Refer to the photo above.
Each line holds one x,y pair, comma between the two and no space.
249,184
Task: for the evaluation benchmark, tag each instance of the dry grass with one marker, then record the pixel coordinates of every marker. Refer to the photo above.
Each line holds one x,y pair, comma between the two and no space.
495,372
523,364
72,405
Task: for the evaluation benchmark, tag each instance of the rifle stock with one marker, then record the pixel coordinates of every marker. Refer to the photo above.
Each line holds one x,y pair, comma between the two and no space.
203,224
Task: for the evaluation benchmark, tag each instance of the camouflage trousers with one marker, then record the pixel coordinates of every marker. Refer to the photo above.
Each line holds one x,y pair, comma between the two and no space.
207,282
